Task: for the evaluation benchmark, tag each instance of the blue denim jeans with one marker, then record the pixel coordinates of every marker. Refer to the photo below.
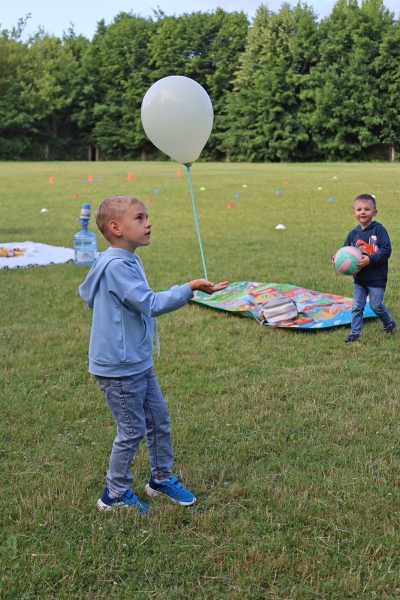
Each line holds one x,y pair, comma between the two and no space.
375,301
139,409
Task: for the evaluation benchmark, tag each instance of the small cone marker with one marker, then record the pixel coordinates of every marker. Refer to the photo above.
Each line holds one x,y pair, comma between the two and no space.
149,200
90,178
367,185
51,179
130,178
75,196
179,173
230,206
287,182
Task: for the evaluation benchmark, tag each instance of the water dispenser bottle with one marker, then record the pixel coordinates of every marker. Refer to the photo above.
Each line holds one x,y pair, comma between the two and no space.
85,241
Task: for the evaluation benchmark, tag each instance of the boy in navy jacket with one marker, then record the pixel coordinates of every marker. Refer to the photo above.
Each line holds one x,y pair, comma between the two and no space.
372,239
121,349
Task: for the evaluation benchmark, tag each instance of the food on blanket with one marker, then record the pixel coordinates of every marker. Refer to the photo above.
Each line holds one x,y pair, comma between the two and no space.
346,260
10,252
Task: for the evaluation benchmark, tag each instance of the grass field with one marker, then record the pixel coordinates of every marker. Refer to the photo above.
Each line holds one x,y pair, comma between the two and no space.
290,440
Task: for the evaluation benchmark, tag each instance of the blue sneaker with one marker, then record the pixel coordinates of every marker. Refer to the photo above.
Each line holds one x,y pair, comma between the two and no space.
107,502
171,488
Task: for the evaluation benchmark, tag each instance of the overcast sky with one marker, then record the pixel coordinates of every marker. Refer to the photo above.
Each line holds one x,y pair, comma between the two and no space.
56,15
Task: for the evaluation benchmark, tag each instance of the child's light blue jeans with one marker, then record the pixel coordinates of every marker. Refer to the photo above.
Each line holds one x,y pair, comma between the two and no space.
375,301
139,409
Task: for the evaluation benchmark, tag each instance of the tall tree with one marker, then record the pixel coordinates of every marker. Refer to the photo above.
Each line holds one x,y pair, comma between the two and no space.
206,48
267,117
119,58
348,113
387,72
16,123
45,78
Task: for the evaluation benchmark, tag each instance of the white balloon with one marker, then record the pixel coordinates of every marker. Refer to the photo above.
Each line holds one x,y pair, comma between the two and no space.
177,116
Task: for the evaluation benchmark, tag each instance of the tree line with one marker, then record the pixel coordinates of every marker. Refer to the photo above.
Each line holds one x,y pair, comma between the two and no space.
285,87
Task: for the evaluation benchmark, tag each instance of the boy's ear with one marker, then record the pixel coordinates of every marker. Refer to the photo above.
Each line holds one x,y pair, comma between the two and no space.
114,228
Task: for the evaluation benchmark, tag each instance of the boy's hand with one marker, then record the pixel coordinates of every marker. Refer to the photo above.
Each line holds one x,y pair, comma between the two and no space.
333,259
364,262
202,285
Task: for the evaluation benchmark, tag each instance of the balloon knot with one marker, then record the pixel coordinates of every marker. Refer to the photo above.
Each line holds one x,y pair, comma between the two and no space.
188,165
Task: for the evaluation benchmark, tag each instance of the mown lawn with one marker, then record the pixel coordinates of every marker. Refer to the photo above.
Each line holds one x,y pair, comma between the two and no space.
290,440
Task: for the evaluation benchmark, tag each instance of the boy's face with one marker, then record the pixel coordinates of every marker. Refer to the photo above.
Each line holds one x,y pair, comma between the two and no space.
132,230
364,211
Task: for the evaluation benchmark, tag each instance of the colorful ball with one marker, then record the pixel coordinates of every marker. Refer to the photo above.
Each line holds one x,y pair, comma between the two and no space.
347,259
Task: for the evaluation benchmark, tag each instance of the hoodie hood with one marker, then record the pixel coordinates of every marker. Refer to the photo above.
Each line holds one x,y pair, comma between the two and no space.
88,288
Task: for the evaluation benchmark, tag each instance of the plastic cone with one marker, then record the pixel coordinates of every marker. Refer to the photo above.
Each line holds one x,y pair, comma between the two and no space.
179,173
230,206
90,178
130,178
51,179
149,200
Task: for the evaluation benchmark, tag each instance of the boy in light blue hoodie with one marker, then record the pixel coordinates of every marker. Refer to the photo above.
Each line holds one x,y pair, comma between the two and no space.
121,349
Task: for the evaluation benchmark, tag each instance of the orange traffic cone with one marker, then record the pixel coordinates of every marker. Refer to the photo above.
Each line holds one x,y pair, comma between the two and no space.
90,178
230,206
179,173
149,200
130,178
51,179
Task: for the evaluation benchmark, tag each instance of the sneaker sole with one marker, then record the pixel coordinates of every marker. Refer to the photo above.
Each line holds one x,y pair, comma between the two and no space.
152,492
105,507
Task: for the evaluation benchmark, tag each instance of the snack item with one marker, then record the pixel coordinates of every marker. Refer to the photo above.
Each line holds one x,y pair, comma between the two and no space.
10,252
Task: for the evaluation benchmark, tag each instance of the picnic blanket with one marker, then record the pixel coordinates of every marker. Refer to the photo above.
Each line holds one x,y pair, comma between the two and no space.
316,309
29,254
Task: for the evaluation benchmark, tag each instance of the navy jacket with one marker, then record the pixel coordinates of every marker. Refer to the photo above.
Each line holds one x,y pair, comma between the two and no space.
374,241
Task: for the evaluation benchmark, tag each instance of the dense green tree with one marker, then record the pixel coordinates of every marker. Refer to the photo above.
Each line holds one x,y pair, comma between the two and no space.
268,110
121,75
16,124
45,77
348,111
205,47
80,120
387,72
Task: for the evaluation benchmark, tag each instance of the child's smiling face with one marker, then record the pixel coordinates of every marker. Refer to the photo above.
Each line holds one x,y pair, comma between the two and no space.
364,211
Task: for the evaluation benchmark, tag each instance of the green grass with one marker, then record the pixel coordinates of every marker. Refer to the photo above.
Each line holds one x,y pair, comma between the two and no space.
290,440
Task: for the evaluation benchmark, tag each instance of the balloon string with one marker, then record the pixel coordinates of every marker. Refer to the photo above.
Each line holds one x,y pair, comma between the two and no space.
187,165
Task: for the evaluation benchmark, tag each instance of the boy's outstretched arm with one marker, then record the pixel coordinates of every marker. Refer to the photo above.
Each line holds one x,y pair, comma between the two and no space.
202,285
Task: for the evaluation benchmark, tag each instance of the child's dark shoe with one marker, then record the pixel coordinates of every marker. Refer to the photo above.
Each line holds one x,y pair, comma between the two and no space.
171,488
352,337
391,328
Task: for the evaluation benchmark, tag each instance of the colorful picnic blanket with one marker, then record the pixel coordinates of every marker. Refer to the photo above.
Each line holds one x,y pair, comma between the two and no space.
316,309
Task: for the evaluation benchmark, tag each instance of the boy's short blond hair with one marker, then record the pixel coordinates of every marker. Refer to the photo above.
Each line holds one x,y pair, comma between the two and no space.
113,208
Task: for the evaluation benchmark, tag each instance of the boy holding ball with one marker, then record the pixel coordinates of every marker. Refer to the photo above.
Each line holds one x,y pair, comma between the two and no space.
372,239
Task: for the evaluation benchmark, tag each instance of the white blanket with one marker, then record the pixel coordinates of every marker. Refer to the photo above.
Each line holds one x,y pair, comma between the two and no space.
35,254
